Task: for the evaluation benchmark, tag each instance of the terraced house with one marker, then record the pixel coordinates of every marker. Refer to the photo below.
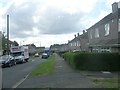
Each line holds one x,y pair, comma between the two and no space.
104,36
74,44
80,42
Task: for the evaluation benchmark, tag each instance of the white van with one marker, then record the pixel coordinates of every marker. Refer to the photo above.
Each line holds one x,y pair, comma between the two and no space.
20,53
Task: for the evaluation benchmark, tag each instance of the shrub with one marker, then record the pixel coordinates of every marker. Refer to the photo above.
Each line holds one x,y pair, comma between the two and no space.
62,53
93,61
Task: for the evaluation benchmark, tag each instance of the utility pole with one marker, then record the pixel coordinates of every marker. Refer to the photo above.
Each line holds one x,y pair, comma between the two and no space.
7,34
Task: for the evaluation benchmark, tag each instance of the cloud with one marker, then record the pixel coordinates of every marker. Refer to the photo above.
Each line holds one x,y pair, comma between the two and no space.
88,21
47,39
33,18
58,22
21,19
55,17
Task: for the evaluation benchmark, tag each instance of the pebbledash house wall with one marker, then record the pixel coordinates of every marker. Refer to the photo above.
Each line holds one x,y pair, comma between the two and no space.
110,41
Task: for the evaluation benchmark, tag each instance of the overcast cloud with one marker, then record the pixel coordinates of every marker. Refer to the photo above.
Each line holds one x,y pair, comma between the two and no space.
35,18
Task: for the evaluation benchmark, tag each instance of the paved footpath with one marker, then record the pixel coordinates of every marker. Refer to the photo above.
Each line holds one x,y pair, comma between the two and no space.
63,77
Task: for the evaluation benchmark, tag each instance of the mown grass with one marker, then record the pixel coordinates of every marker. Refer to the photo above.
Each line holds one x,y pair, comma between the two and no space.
106,82
46,67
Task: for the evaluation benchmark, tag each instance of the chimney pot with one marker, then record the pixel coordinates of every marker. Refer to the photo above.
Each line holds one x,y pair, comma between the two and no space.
75,35
83,31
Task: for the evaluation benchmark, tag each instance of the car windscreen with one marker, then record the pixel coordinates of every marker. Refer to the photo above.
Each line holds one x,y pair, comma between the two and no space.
16,54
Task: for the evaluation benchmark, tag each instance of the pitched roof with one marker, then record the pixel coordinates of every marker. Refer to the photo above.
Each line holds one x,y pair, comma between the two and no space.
82,36
109,42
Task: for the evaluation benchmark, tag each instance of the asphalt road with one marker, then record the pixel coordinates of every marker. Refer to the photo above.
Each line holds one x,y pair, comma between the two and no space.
11,77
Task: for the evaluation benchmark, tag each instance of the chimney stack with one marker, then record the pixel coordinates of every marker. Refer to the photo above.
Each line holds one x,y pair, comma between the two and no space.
75,35
83,31
114,7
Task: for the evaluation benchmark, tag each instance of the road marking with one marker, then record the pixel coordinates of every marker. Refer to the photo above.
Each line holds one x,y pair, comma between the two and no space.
60,66
21,81
106,72
33,60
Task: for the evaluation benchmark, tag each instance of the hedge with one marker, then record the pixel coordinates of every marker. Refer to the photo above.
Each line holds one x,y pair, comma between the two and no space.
62,53
93,61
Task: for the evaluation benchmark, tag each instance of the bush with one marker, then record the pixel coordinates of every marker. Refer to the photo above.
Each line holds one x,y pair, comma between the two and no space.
93,61
62,53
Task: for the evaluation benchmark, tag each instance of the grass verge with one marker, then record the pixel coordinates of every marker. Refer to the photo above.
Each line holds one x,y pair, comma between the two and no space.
45,67
106,82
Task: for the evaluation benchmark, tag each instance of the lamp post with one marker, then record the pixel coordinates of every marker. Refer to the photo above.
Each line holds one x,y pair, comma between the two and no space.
8,34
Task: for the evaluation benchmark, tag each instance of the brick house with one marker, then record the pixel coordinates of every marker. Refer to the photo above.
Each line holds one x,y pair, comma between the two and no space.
104,35
84,41
64,47
55,47
74,44
80,42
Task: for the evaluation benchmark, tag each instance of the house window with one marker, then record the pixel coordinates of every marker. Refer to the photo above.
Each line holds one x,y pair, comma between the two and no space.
119,24
73,44
107,28
112,20
77,43
96,33
70,44
106,49
91,34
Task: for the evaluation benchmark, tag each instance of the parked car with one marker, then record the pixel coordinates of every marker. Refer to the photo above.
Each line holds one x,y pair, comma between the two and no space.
45,55
7,60
75,50
36,55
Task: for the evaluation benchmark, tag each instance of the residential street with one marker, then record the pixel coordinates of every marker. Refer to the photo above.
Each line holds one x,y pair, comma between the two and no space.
69,44
63,77
11,76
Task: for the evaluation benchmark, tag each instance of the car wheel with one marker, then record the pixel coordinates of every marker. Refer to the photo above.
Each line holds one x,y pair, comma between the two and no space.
26,60
15,63
23,61
10,64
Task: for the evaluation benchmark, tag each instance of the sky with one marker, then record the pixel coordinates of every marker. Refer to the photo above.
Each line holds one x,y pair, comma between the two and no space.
48,22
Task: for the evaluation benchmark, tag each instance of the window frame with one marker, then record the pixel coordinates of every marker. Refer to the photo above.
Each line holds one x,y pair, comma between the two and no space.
77,43
119,25
97,33
107,29
91,34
